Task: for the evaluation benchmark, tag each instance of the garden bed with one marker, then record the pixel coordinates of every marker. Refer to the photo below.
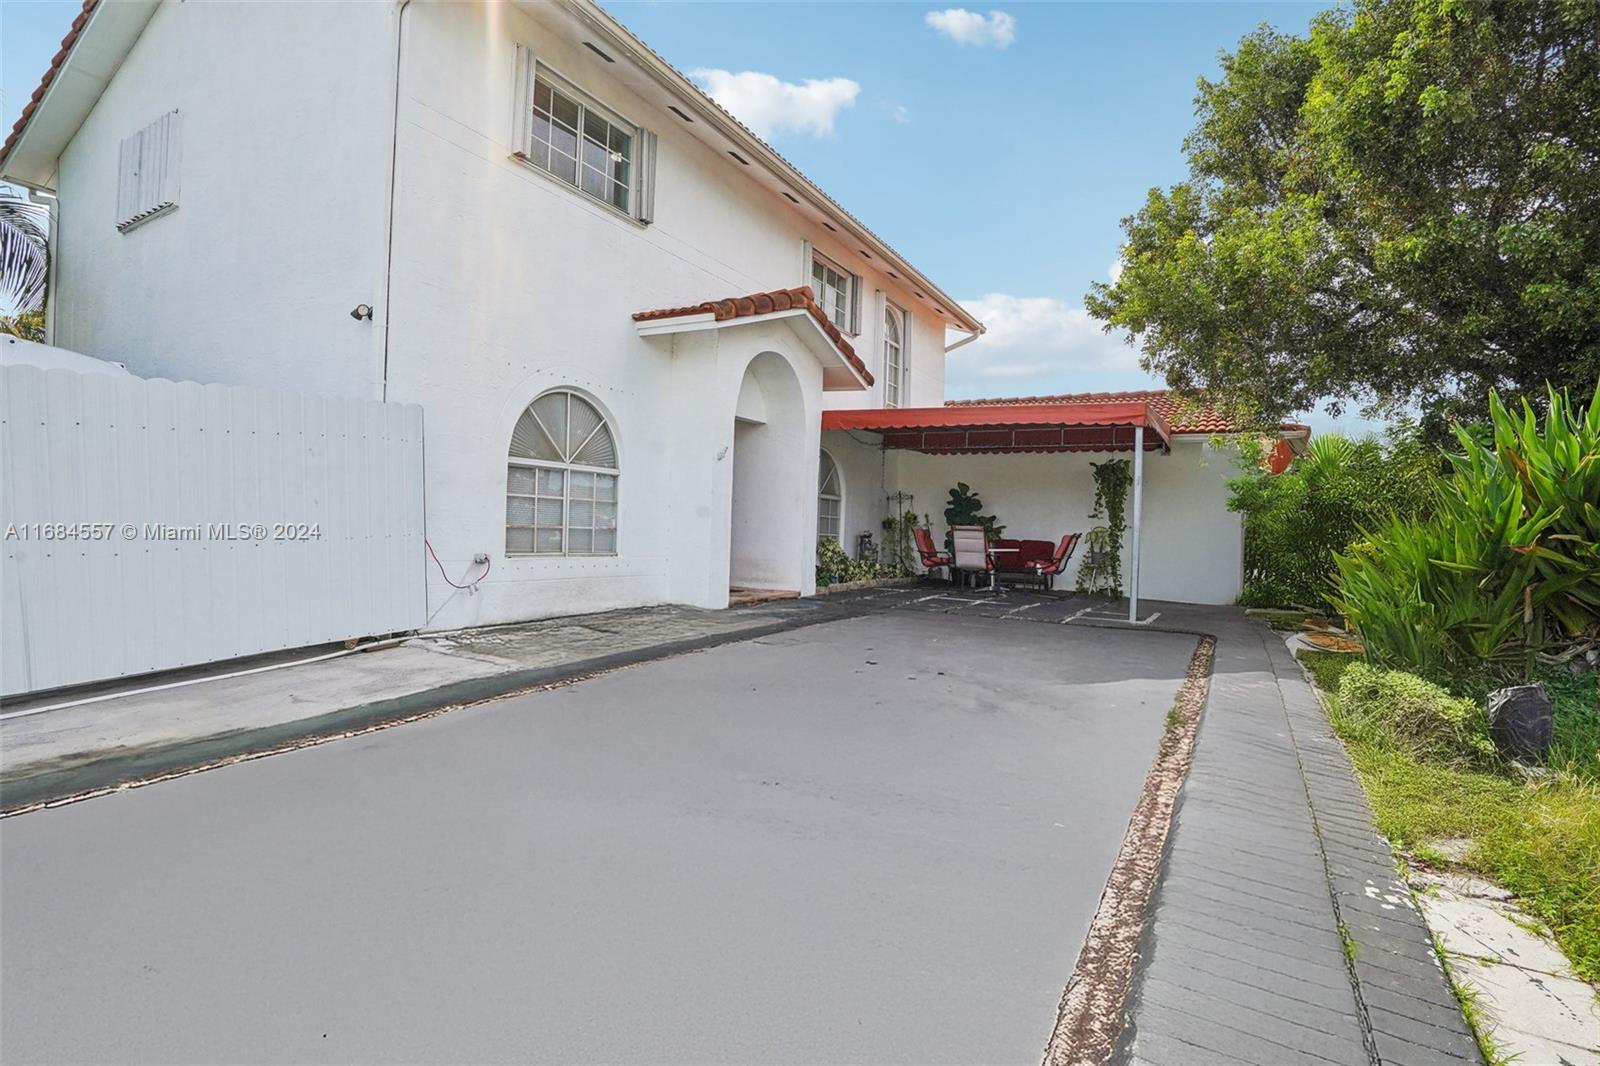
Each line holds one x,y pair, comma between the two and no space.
870,583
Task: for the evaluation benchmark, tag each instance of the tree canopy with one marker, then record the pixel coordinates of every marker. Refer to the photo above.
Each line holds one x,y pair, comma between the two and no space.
1401,207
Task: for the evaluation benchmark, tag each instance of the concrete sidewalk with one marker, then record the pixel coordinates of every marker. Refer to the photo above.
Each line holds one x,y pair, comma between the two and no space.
155,725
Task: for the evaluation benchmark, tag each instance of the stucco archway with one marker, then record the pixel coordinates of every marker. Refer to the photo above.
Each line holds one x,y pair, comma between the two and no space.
774,476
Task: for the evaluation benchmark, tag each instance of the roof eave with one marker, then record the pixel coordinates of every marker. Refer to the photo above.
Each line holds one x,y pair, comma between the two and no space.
72,87
706,110
838,373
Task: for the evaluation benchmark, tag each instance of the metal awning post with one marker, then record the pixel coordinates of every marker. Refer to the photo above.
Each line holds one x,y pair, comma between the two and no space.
1138,506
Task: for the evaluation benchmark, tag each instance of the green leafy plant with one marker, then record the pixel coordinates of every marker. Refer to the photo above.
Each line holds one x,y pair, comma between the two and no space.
1414,716
1398,204
899,553
1296,520
835,567
966,509
1507,564
1112,481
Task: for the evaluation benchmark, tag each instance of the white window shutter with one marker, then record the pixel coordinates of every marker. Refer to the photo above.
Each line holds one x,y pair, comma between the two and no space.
147,172
855,304
805,266
647,176
522,99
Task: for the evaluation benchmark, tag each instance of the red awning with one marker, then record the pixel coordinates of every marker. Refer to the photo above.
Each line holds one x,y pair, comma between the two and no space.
1075,427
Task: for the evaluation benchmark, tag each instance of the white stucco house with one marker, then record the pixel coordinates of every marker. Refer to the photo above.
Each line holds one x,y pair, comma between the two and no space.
636,331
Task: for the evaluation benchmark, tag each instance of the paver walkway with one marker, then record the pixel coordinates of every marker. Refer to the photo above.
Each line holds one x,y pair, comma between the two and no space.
1273,851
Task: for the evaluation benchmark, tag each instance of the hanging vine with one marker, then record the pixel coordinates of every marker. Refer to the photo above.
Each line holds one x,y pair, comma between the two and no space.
1112,480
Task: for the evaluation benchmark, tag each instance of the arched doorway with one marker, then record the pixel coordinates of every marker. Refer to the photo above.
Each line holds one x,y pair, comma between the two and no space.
773,480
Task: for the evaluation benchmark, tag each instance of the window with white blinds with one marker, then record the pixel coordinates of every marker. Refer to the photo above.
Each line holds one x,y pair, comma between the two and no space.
837,292
147,172
575,139
561,480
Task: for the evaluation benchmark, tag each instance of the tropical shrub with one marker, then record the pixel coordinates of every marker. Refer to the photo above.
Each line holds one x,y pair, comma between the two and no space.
1296,520
966,509
1505,566
835,567
1413,715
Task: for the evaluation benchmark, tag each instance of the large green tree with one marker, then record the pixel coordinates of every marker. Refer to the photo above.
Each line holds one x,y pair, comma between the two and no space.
1401,207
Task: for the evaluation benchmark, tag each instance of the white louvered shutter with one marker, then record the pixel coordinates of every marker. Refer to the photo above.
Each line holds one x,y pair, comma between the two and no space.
147,174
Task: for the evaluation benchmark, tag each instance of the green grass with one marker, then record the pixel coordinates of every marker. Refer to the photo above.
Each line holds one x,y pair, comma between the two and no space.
1326,667
1576,698
1541,840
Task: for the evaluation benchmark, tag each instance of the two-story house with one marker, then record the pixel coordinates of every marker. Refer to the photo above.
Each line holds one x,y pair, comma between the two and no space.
622,312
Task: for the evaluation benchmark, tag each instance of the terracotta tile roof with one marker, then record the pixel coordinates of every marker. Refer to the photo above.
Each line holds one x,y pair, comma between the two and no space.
763,303
56,63
1184,416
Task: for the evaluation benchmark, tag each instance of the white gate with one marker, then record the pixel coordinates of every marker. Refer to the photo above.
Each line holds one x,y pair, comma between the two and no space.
152,524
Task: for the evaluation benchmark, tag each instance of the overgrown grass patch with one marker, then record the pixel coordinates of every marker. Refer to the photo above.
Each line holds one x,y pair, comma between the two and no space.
1576,697
1540,839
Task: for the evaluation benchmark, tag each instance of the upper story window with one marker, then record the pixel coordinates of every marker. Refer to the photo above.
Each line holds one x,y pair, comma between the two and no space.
561,479
579,142
837,293
894,355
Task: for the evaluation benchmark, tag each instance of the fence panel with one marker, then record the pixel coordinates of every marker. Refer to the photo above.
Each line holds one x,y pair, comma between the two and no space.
150,525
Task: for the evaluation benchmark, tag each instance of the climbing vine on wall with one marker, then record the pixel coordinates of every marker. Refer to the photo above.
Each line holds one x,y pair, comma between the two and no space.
899,554
1112,480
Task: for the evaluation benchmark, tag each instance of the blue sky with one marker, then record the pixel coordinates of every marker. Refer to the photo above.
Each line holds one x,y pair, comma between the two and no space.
996,146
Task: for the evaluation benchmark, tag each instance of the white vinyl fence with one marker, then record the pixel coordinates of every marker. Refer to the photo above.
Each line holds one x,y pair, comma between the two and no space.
150,524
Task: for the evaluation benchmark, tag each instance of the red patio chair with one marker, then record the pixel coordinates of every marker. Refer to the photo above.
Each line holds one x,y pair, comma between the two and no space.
932,558
1047,569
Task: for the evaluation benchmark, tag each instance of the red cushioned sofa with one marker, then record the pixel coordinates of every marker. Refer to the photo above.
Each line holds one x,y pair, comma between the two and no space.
1038,559
1016,563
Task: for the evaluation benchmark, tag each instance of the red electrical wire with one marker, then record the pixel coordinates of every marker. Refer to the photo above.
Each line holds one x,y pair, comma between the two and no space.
487,565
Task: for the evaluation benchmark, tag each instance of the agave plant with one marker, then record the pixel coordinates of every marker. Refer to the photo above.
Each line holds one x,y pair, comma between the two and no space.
22,253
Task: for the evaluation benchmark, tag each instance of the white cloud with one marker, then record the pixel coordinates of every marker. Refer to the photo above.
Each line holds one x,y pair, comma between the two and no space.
769,105
1036,345
1114,271
964,27
897,112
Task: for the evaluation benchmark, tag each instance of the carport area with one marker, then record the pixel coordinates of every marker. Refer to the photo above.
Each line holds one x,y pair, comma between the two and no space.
875,839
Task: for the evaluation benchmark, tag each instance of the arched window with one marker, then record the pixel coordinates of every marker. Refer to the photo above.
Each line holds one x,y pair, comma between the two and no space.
829,498
561,481
894,350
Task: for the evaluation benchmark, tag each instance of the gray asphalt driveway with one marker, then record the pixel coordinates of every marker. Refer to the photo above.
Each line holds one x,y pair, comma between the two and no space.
873,840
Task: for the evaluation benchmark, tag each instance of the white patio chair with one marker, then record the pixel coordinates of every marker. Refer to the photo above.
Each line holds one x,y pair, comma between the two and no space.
972,550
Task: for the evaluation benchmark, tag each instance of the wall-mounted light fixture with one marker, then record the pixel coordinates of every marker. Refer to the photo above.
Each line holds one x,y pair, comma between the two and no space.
362,311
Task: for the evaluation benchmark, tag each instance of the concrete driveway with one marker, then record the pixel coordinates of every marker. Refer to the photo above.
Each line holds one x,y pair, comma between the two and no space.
873,840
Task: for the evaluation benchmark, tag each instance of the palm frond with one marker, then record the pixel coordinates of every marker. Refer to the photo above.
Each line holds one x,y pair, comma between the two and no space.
22,270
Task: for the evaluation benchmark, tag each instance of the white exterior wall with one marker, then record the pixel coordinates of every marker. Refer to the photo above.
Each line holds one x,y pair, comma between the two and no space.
1192,545
508,283
282,205
502,282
